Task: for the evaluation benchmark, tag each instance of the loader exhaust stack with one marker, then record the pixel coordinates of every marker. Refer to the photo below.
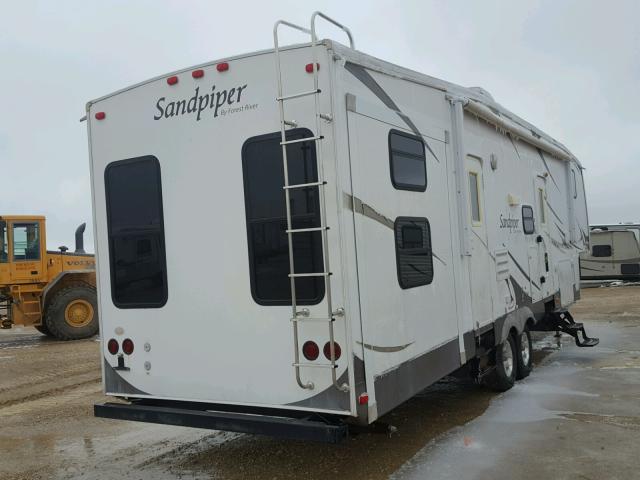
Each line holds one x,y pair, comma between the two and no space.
80,238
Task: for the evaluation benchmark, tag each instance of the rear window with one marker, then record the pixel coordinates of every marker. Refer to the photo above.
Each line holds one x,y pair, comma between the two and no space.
135,227
267,222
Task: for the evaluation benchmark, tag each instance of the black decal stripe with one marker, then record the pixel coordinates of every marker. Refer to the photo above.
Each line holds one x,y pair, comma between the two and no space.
361,74
523,271
547,167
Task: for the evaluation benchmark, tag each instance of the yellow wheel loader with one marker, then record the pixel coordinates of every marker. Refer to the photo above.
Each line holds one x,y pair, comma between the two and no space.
53,291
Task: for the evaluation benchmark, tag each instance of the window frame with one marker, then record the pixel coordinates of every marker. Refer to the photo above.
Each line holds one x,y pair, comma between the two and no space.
4,239
277,135
533,219
111,234
406,186
397,231
602,256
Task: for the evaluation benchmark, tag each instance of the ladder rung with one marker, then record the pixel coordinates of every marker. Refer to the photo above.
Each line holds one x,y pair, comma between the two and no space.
313,319
304,185
315,274
316,365
300,140
303,230
298,95
25,302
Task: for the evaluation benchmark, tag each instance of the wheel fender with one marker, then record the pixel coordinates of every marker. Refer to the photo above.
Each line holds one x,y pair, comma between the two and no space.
516,319
59,280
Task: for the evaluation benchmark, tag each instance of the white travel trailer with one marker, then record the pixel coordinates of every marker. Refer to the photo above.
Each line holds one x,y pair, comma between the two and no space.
614,253
298,239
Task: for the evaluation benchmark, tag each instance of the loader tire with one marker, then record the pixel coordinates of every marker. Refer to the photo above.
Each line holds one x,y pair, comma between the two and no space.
72,313
43,329
503,375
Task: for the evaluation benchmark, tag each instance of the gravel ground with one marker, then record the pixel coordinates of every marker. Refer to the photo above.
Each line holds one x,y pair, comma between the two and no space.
47,428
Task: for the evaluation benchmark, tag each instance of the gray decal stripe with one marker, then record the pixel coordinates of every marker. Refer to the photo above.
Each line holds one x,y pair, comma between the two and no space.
114,383
377,348
590,269
615,262
523,272
361,74
547,167
355,204
564,235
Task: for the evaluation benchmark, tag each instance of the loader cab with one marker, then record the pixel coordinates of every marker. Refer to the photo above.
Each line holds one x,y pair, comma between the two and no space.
22,250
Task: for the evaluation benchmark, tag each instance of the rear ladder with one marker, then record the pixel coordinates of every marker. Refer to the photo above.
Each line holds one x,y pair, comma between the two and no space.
303,315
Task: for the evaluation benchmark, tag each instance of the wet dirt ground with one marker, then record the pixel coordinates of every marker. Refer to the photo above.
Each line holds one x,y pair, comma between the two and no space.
576,417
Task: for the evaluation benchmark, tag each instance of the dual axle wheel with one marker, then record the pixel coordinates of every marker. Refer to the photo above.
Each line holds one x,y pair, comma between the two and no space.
513,361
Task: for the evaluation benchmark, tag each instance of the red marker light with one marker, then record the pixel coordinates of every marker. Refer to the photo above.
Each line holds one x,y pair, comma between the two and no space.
197,73
172,80
100,116
309,67
336,350
127,346
310,350
222,67
112,346
363,399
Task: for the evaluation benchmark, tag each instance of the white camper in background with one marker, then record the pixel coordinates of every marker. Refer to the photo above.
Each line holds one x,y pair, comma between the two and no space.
297,239
614,254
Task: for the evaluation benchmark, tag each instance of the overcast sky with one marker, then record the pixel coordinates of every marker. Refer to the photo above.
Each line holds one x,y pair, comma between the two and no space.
572,68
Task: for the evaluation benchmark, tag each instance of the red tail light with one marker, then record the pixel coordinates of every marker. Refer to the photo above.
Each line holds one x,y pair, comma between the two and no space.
222,67
100,116
197,73
310,350
309,67
127,346
363,399
112,346
172,80
327,350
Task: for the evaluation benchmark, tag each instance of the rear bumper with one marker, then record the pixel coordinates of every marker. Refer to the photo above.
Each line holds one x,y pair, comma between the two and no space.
307,427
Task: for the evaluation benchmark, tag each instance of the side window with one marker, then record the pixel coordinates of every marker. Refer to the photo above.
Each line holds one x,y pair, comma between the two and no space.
414,259
407,161
601,251
26,241
528,223
474,197
135,225
4,245
265,210
541,206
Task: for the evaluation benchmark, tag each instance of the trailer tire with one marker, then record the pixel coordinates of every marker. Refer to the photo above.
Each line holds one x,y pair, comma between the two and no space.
503,375
72,313
524,354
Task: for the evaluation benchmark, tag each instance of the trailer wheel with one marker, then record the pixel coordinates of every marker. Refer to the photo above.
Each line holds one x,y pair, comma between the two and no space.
72,313
503,375
524,355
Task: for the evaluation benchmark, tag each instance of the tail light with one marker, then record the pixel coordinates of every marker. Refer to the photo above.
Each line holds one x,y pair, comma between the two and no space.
127,346
310,350
327,350
112,346
309,67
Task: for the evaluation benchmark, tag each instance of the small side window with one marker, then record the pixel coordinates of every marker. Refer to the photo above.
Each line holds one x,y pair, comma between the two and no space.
601,251
414,259
543,214
407,161
474,198
528,223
